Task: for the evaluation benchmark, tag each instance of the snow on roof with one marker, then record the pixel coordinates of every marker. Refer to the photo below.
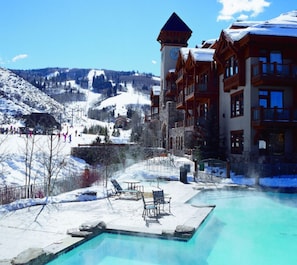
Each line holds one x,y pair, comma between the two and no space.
156,90
244,24
207,43
184,53
283,25
202,55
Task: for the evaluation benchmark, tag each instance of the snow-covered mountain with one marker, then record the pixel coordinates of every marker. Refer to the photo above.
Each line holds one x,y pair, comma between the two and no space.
18,97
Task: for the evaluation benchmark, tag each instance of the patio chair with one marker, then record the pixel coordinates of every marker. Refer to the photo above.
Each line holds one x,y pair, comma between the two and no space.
149,208
119,190
160,199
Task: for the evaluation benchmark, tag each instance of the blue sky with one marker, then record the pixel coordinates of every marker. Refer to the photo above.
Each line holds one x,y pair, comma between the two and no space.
112,34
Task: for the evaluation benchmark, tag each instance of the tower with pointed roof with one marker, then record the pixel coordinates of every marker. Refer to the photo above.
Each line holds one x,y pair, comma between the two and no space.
173,36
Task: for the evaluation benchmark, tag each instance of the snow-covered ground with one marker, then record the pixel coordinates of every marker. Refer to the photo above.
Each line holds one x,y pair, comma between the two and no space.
13,154
120,101
24,225
20,225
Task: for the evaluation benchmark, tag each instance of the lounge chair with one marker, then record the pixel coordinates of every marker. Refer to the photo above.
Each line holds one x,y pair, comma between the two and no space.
119,190
160,199
149,208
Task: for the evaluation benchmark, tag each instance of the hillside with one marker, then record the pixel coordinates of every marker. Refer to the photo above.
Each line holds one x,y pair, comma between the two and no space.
18,97
98,79
72,95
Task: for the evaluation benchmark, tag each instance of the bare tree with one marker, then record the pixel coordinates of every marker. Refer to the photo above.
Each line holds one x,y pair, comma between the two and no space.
54,160
3,153
29,150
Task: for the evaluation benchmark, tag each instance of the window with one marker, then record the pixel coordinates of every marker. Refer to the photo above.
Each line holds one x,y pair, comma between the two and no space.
203,110
276,57
272,144
272,61
231,67
271,98
277,143
262,145
202,81
237,142
237,104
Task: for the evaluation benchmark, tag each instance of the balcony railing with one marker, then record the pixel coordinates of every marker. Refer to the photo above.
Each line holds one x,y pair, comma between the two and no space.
273,73
190,90
285,116
193,90
178,124
231,82
180,101
170,91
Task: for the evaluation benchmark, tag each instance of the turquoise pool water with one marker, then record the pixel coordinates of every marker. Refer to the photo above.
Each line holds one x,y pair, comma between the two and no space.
245,228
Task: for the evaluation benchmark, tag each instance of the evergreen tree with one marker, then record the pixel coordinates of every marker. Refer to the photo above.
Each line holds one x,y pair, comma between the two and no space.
137,127
209,146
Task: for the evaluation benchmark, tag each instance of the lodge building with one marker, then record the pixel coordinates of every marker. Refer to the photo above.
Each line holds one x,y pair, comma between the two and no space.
236,94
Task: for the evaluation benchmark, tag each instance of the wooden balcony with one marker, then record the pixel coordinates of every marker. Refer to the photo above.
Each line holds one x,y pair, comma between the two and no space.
194,91
180,74
171,92
190,92
180,104
231,82
277,117
274,74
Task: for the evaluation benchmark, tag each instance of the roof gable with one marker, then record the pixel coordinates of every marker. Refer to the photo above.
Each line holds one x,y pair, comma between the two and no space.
175,32
175,23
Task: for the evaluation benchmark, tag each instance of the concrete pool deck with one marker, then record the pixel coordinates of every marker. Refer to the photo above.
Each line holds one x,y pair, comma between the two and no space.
38,231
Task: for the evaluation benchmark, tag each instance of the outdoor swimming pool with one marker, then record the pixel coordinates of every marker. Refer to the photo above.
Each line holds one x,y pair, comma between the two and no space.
246,227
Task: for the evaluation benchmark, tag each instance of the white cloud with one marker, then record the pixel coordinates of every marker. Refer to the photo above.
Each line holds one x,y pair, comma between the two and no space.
242,17
154,62
19,57
240,8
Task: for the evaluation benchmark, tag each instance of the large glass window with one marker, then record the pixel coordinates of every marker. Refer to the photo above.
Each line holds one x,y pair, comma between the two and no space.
272,61
271,98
